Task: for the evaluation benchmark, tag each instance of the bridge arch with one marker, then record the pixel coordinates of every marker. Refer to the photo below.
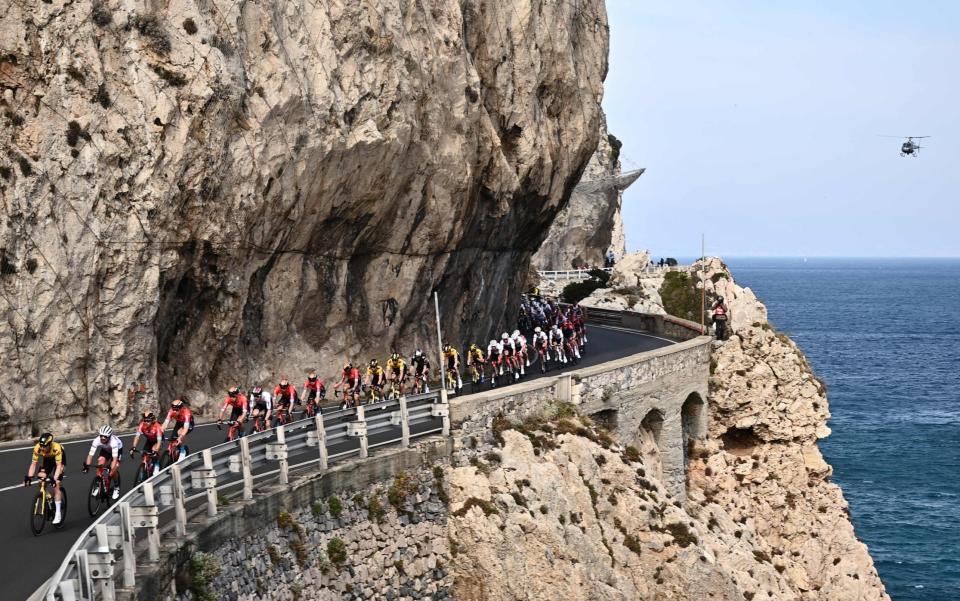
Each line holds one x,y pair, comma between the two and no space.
693,422
650,437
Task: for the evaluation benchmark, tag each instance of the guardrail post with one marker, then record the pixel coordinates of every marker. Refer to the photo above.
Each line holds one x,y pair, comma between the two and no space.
360,430
562,388
404,423
127,539
284,463
153,535
83,569
210,486
245,467
321,440
102,562
180,510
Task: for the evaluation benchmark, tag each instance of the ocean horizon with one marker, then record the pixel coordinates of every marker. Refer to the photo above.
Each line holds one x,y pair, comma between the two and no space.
884,335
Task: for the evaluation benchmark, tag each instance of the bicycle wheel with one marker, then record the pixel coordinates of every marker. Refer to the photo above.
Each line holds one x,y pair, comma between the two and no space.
141,474
63,507
165,460
95,498
38,514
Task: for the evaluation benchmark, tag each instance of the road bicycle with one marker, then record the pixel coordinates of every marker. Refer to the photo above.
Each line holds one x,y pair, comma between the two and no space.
476,373
310,409
420,383
43,509
393,392
450,381
234,430
147,465
283,415
101,491
542,357
174,452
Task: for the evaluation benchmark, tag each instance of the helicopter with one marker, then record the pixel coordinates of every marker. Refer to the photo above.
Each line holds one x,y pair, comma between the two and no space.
909,148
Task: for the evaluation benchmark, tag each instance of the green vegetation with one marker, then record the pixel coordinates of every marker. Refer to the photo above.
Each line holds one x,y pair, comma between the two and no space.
285,521
577,291
485,506
402,487
335,506
317,509
375,509
337,551
680,295
274,555
631,454
204,567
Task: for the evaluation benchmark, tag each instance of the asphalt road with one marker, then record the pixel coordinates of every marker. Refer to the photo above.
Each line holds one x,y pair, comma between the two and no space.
41,555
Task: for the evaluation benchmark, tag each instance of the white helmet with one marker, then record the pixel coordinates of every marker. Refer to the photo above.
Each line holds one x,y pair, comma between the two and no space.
516,333
505,336
493,342
537,330
106,431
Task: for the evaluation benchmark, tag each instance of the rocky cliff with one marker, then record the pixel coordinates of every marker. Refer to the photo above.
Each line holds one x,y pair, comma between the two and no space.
199,193
591,223
760,464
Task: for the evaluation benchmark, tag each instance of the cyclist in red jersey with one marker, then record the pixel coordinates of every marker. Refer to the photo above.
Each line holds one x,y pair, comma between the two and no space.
182,418
350,383
152,433
284,396
237,401
313,389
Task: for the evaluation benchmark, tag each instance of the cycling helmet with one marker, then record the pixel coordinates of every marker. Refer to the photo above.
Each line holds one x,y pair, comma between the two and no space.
148,416
419,353
233,391
257,391
176,403
46,439
395,356
284,382
493,342
446,348
312,376
516,333
473,347
537,330
505,336
719,299
347,365
106,431
373,362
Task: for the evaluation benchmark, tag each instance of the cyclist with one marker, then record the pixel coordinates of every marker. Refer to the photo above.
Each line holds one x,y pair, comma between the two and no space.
510,354
570,336
107,447
452,356
523,356
350,382
237,401
580,325
285,396
421,371
152,435
54,460
262,404
183,423
313,389
376,378
475,361
540,342
556,343
397,370
495,359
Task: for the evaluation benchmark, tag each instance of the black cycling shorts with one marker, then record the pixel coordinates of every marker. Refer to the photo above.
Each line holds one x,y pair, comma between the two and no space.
235,414
261,407
178,425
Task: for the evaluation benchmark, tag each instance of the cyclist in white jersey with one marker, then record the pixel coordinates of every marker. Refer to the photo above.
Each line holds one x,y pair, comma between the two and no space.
107,447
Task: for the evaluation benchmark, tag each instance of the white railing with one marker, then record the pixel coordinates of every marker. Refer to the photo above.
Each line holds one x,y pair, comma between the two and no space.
105,555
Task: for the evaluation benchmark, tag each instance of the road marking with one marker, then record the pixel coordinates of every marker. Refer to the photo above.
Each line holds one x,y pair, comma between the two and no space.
88,440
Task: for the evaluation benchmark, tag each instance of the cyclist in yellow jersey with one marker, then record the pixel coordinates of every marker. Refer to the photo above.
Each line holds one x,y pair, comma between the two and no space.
452,357
53,461
376,378
397,370
475,360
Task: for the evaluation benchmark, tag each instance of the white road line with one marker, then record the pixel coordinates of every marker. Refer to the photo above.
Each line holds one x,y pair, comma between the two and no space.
87,440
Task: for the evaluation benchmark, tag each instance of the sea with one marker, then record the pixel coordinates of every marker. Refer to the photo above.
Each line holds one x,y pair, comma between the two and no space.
885,336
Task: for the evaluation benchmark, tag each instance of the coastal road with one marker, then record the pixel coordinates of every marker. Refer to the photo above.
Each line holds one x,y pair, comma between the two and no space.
41,555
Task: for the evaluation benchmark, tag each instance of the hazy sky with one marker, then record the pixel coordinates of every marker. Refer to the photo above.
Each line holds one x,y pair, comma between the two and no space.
758,124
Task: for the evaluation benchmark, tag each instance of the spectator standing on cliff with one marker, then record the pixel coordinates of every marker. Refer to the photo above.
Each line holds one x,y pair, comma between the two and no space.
720,314
610,259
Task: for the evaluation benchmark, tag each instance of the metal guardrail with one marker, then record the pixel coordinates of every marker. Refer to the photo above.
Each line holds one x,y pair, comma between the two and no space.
105,555
579,275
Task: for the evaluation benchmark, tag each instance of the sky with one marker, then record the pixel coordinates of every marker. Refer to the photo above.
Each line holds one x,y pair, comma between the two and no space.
759,125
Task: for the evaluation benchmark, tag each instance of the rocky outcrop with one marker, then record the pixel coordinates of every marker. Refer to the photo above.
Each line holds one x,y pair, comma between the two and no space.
591,223
195,194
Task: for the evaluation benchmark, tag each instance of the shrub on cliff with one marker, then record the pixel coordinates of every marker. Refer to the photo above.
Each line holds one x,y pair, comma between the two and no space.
577,291
203,569
680,295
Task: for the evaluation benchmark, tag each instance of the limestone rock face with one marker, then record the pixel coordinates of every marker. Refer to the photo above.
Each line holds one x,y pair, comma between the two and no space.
591,223
196,194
